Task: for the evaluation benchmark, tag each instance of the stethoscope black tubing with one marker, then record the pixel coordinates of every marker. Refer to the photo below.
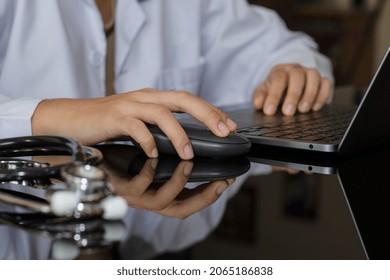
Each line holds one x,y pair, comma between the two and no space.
38,145
18,145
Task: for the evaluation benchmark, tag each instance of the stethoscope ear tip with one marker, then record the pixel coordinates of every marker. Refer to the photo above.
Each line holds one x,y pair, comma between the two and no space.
115,207
63,203
64,250
114,231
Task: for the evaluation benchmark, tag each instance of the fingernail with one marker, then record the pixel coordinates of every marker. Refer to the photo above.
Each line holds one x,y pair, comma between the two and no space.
304,107
153,163
317,106
223,128
187,169
154,153
270,109
290,109
231,124
221,188
188,151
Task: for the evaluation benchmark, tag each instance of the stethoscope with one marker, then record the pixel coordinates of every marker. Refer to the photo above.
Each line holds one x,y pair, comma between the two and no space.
81,189
69,238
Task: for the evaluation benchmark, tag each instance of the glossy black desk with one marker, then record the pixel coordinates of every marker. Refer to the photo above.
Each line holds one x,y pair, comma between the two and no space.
339,210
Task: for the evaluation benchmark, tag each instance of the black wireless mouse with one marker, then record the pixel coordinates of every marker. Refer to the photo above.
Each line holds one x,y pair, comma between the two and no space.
204,142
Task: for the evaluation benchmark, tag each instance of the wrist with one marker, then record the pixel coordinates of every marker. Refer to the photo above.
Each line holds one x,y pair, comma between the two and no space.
38,124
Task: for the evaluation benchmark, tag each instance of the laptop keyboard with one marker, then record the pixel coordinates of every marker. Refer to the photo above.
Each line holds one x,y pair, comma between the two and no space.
304,127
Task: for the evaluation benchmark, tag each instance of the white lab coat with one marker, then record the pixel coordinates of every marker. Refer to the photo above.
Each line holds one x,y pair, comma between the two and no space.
218,49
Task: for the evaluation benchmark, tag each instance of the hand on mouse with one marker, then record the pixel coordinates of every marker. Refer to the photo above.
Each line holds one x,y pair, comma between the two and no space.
170,198
94,120
296,87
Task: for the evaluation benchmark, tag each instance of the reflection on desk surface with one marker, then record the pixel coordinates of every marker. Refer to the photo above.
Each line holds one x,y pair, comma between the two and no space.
173,203
272,216
363,180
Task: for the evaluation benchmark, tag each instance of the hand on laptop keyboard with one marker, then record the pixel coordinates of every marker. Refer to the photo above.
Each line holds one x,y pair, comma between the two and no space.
295,88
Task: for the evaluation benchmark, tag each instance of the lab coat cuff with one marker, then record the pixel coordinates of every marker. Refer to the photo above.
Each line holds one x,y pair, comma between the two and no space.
15,117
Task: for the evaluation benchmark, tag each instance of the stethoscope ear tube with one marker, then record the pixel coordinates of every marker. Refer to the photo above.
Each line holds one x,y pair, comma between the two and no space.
18,170
29,145
60,203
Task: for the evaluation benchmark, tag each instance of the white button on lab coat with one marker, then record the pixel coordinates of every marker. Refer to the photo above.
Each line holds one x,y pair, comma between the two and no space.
218,49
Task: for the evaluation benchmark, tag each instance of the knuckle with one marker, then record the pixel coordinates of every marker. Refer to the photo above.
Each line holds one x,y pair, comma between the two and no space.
326,88
161,111
273,98
221,113
148,89
311,72
297,68
262,87
207,198
310,94
180,181
147,142
180,141
133,126
278,68
293,94
212,115
294,66
184,94
279,74
159,205
287,67
182,215
137,192
121,120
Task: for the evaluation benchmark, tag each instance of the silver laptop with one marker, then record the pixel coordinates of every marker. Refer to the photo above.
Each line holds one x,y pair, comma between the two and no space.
332,130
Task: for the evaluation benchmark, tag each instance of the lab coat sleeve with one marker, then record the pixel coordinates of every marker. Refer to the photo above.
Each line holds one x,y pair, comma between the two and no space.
15,113
15,116
242,43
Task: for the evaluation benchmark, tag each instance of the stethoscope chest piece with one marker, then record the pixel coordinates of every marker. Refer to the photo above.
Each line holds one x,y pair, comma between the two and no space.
89,182
95,194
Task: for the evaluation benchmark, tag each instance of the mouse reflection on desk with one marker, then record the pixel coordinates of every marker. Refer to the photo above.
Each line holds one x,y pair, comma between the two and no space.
159,184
